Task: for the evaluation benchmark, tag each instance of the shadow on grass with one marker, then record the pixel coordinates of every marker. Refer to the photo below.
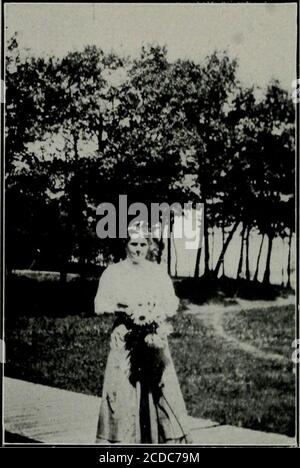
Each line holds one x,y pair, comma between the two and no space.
32,298
226,290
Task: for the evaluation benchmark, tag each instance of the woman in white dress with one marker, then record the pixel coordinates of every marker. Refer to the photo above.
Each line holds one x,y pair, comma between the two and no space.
141,398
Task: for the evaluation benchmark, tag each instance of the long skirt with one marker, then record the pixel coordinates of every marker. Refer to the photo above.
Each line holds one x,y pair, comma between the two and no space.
129,414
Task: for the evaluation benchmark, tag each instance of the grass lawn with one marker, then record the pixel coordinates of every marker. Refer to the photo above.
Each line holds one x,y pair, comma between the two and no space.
218,382
271,330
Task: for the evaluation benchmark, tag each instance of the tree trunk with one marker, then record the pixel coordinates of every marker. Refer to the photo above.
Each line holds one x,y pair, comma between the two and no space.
75,145
197,264
212,249
77,208
170,246
99,135
228,239
169,255
198,258
199,252
160,245
255,278
266,279
223,242
176,256
282,262
206,245
247,254
289,259
241,259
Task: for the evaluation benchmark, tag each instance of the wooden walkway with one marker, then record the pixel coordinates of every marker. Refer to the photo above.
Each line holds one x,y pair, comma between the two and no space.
53,416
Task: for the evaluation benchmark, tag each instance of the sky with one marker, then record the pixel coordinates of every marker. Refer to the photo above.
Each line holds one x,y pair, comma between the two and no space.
261,36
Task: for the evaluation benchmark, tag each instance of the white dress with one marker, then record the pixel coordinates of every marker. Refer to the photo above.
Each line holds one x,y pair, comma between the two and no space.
127,414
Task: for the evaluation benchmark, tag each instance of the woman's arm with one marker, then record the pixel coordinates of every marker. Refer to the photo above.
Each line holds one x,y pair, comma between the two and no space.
105,301
169,302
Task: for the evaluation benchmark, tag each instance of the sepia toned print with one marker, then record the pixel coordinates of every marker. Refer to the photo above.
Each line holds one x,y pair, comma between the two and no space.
150,240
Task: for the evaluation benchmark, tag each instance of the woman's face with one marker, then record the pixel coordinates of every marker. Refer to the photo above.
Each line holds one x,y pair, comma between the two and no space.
137,249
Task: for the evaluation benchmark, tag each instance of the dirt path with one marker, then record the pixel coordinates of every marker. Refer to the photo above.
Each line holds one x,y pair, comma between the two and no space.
212,317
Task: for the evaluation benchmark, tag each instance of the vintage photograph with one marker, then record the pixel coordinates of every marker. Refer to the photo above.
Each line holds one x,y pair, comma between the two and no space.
149,224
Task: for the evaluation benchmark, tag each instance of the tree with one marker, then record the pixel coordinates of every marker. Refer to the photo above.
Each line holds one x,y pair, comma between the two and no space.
91,126
277,148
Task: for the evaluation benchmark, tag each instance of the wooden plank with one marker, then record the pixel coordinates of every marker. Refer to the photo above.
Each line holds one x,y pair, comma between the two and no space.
231,435
49,414
56,416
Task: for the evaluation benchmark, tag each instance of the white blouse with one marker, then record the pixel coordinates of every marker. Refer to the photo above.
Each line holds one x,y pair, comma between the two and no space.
134,285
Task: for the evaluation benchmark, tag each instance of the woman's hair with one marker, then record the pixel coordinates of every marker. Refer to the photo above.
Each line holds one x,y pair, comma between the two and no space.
138,229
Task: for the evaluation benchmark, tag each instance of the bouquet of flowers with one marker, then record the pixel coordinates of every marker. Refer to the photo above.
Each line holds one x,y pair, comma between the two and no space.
145,339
